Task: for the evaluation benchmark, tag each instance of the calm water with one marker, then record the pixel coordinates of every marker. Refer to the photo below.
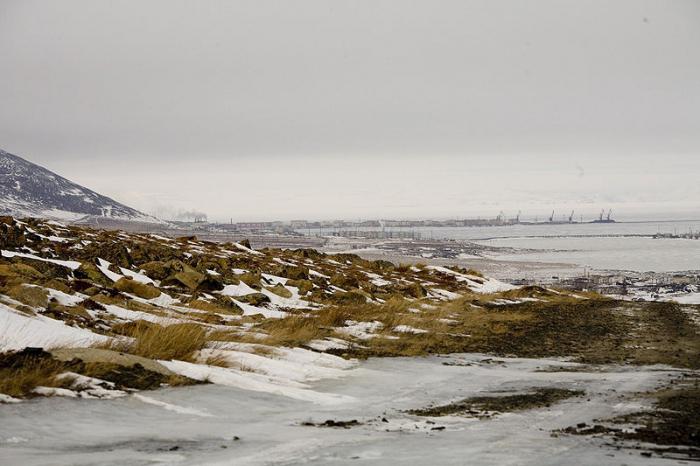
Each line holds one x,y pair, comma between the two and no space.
617,246
626,253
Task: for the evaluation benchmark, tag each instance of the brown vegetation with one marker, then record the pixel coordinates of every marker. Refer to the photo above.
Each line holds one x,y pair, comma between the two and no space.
486,406
21,372
176,341
127,285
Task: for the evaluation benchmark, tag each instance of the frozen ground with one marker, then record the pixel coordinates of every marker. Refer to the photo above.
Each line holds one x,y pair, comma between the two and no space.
200,424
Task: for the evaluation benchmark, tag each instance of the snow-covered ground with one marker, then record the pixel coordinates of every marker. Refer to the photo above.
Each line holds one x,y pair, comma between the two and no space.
216,424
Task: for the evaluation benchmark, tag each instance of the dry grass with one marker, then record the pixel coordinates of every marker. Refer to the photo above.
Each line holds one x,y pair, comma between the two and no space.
225,335
265,351
220,360
403,268
292,331
207,318
236,336
217,359
455,326
176,341
333,316
214,307
19,377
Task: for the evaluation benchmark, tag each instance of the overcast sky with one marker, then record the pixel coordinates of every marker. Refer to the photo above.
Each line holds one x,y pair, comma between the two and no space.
360,109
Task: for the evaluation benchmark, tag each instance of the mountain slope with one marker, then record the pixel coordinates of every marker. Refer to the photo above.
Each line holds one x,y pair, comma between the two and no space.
27,189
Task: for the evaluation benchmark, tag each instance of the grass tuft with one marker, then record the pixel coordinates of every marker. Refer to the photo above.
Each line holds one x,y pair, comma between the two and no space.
21,372
177,341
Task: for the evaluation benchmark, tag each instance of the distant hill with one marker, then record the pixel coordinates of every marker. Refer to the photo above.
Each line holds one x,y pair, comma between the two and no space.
28,190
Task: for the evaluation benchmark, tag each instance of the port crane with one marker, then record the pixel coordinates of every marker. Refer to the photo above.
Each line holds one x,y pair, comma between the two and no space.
571,217
551,217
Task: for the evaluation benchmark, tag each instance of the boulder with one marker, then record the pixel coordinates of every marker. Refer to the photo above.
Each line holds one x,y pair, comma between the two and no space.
349,298
414,290
127,285
295,272
280,290
382,266
11,235
60,312
254,299
33,296
304,286
90,272
344,281
156,270
96,355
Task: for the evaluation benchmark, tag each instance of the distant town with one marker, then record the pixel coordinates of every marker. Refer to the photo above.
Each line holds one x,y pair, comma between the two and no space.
291,226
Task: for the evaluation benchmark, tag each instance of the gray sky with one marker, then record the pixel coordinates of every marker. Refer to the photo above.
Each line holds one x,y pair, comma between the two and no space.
359,109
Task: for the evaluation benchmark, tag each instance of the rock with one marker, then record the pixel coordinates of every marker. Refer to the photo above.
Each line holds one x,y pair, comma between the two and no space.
183,275
90,272
228,303
15,274
81,285
304,285
58,285
187,279
25,270
382,266
127,285
295,272
415,290
143,253
344,281
92,305
110,250
156,270
251,279
24,358
56,310
280,290
307,253
98,355
220,306
30,295
349,297
334,423
11,235
255,299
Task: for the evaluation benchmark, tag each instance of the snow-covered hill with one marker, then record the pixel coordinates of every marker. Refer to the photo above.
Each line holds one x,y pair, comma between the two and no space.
28,190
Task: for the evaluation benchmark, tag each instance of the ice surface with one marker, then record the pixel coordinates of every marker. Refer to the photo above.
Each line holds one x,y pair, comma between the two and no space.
197,425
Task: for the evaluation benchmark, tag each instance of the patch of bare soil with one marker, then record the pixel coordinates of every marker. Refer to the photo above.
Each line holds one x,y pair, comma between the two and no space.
485,407
22,371
671,429
600,332
333,423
